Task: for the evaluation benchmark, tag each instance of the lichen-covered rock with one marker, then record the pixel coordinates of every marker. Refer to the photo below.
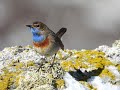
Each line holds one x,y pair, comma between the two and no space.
22,68
116,43
112,53
19,70
89,61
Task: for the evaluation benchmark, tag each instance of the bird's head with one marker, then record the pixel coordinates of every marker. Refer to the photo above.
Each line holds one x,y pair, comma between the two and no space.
38,30
37,27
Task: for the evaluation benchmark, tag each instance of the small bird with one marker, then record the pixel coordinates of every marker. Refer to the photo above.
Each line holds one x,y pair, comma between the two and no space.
45,41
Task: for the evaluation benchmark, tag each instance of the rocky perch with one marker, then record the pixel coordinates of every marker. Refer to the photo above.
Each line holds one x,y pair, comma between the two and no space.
97,69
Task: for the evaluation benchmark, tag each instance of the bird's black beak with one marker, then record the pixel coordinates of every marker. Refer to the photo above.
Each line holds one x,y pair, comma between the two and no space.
29,26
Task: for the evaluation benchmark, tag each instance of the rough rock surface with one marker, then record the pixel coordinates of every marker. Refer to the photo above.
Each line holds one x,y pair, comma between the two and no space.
22,68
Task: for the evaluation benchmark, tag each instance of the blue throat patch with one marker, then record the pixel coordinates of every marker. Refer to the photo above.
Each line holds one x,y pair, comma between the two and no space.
38,38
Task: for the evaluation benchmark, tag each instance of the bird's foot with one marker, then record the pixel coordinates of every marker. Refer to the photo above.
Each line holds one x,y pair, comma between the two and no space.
43,60
51,65
40,66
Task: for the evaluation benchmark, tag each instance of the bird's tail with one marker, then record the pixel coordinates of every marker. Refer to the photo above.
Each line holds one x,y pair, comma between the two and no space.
61,32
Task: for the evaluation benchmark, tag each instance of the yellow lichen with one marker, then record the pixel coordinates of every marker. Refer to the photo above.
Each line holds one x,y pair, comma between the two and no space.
118,67
67,65
19,65
70,61
30,63
107,73
17,81
5,70
4,83
16,64
59,54
89,86
77,64
60,83
86,59
8,79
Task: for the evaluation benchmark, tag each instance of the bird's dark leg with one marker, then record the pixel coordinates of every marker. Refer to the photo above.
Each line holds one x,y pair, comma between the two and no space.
53,59
41,64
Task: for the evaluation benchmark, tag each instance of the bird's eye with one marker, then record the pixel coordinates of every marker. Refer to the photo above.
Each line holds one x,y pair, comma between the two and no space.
37,25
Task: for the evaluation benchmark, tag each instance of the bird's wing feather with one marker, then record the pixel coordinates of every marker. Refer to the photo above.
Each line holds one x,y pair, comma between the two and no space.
61,32
57,39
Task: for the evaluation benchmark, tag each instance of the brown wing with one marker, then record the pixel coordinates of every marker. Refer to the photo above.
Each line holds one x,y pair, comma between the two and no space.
61,32
59,42
57,36
55,39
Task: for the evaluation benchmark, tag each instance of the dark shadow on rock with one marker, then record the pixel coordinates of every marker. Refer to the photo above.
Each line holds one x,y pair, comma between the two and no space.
83,76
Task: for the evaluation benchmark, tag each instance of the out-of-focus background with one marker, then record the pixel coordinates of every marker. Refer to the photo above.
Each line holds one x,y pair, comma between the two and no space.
89,22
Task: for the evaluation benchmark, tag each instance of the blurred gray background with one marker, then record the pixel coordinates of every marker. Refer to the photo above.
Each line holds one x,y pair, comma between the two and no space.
90,23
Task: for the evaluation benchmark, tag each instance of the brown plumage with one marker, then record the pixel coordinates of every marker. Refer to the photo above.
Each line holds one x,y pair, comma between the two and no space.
45,41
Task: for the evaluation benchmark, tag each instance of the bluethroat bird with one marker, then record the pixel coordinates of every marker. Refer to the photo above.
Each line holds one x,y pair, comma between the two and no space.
45,41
